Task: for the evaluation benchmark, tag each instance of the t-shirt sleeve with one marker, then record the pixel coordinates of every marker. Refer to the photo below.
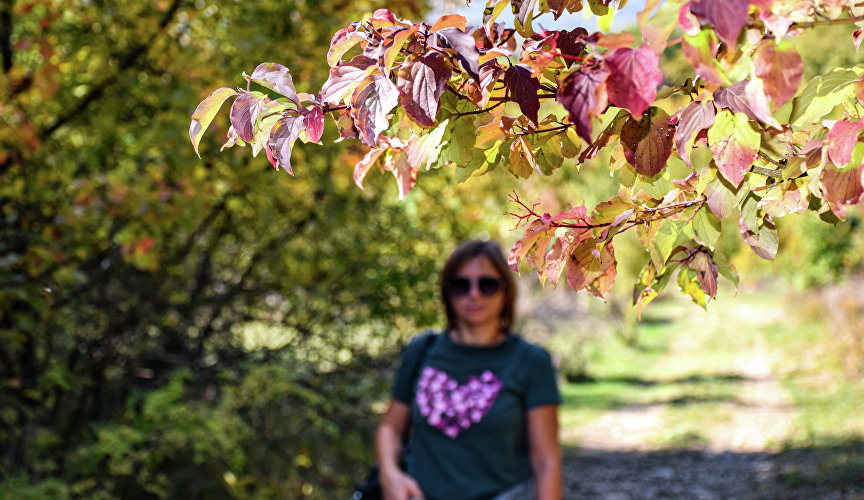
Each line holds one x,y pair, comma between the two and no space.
402,390
542,387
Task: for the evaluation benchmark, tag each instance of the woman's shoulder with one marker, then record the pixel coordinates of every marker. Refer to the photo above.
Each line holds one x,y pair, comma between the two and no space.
420,342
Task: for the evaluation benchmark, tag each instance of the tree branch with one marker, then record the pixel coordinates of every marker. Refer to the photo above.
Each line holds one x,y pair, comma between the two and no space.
6,35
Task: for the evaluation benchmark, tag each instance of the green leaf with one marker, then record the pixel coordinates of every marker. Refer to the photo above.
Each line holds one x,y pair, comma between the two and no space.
726,269
548,156
723,197
205,112
667,239
461,142
688,283
734,145
821,94
706,225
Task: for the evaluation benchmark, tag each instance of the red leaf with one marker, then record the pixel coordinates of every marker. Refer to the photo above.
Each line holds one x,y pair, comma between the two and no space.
697,116
275,77
282,137
701,57
523,89
344,78
244,111
421,81
857,35
727,17
314,124
688,22
842,188
746,97
841,140
583,95
370,103
342,42
587,264
560,252
572,43
706,272
648,142
780,71
633,78
465,48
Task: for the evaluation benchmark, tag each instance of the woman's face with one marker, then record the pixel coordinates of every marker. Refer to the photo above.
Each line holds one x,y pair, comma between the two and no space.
474,308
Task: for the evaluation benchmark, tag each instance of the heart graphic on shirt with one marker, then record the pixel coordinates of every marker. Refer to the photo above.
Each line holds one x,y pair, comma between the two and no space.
451,407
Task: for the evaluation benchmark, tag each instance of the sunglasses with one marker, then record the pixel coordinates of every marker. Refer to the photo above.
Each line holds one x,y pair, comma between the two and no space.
487,285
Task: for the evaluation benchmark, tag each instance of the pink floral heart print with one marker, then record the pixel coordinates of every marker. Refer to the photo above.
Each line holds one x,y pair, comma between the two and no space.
450,407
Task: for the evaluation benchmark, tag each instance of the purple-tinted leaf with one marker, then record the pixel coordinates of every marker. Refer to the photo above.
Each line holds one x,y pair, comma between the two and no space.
700,51
244,111
583,95
697,116
534,231
780,69
421,81
314,123
342,42
344,79
748,98
723,197
345,125
857,36
275,77
465,47
204,114
372,100
764,242
841,140
727,17
609,134
282,138
648,142
734,145
523,89
706,272
842,188
633,78
572,43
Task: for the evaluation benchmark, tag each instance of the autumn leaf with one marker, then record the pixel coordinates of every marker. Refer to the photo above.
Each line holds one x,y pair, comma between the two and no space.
362,167
205,112
282,138
523,90
780,68
747,97
534,231
842,188
342,42
275,77
841,139
421,81
727,17
734,145
763,241
314,123
465,49
521,158
694,118
244,111
583,95
633,78
371,102
344,78
648,142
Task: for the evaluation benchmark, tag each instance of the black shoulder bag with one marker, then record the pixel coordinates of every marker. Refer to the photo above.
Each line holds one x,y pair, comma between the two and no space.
371,489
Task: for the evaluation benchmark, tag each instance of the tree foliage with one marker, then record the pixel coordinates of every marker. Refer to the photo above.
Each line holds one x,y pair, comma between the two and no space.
741,137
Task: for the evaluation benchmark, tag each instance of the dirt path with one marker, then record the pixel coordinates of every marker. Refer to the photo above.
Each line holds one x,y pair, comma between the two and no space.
617,456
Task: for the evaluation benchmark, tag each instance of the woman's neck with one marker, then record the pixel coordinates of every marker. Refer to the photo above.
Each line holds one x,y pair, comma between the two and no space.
486,335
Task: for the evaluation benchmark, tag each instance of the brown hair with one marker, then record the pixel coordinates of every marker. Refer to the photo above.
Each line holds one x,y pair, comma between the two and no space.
467,251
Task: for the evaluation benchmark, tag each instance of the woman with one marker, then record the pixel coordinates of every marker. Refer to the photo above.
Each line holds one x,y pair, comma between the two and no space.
481,402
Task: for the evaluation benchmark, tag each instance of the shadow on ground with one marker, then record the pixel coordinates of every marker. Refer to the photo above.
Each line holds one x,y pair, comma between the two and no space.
833,472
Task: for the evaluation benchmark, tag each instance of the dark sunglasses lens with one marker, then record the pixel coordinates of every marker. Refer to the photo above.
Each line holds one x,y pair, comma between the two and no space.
489,286
460,286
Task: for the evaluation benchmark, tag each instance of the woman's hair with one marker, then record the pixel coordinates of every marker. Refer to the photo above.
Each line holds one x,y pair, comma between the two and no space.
465,252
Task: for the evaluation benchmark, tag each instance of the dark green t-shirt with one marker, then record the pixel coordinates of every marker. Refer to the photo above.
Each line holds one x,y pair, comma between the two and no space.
468,413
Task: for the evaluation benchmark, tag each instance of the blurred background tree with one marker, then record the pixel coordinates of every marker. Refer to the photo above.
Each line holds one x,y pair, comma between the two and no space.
179,328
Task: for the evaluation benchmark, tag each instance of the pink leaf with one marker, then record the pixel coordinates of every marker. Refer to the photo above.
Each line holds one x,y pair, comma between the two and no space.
727,17
583,95
465,48
857,35
688,22
842,188
421,81
521,247
697,116
780,70
648,142
633,78
342,42
841,140
314,123
764,242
